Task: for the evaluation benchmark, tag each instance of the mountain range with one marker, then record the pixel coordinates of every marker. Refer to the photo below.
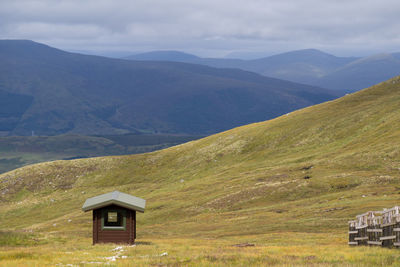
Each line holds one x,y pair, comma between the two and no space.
309,66
47,91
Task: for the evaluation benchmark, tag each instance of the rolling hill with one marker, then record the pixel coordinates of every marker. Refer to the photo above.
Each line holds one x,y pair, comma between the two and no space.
53,92
302,66
308,66
365,71
289,185
18,151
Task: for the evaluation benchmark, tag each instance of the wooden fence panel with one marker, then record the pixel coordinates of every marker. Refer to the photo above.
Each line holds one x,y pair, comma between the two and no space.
353,232
390,223
374,230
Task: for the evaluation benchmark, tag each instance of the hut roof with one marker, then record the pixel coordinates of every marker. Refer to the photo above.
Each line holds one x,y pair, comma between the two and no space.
117,198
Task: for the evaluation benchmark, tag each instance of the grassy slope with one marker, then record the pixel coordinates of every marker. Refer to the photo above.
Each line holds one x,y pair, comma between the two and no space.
18,151
243,185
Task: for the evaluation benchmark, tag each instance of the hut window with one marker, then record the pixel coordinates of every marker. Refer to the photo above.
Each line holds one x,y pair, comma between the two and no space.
114,219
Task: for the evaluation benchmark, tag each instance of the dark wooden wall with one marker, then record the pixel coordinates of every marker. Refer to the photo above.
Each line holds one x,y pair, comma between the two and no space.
114,236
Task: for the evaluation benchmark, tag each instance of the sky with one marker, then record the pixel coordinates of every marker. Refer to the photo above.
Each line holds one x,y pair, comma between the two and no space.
209,28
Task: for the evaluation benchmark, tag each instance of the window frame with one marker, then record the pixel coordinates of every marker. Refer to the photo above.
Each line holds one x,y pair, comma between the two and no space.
105,212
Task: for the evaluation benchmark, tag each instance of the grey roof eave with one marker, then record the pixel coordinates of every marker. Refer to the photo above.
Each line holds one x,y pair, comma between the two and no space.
111,202
116,198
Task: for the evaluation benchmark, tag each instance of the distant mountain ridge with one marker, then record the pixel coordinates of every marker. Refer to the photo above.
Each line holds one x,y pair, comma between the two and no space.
167,55
59,92
362,72
308,66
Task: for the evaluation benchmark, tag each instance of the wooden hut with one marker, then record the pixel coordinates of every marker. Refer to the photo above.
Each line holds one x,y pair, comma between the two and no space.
391,227
114,217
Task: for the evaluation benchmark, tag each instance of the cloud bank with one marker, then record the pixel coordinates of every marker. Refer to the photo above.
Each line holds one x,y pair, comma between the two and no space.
205,27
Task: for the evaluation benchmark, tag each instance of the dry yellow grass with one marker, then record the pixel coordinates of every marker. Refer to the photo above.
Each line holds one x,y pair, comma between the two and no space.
269,249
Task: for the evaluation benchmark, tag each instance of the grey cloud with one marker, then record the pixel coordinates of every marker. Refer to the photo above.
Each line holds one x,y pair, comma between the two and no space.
210,27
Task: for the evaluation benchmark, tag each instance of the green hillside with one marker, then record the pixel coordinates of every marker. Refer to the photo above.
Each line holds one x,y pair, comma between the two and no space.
18,151
287,185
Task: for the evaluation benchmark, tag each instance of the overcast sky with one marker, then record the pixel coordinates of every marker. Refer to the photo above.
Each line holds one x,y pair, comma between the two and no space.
206,27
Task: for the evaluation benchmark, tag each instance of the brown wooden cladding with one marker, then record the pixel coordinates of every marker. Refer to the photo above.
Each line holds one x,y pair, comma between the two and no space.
111,235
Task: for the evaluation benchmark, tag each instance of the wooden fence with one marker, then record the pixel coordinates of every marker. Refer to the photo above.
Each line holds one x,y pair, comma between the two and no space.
376,228
353,233
390,227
